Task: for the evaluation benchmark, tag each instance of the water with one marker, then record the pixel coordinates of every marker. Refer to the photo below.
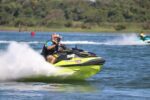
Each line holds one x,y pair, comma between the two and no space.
125,75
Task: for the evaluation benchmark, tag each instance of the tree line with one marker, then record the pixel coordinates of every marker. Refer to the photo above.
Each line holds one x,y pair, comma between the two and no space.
73,13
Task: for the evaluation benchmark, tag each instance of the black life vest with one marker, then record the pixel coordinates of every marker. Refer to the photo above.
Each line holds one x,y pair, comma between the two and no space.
46,52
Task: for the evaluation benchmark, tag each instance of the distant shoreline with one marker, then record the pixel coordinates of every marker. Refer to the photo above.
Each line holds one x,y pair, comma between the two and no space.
94,29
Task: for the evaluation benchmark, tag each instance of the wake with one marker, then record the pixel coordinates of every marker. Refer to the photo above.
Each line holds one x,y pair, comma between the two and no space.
131,39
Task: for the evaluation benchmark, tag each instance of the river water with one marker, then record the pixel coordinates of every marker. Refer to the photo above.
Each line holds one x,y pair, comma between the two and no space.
125,75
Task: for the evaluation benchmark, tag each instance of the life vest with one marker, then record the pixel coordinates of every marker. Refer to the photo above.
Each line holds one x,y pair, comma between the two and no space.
46,52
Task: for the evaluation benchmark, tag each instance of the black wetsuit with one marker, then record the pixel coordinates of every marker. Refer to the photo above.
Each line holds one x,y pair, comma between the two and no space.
46,52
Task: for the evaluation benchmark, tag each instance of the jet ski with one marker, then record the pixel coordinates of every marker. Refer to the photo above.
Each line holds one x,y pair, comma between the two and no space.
144,38
82,64
73,64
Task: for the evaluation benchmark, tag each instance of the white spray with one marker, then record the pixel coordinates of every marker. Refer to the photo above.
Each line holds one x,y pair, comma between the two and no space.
123,39
19,60
131,39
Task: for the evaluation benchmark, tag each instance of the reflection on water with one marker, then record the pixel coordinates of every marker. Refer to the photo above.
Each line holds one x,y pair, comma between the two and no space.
83,86
73,87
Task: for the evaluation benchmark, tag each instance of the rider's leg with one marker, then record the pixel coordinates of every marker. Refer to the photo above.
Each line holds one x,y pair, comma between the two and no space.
51,59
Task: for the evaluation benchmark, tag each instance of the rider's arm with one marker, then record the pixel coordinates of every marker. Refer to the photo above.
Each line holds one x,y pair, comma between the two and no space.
49,45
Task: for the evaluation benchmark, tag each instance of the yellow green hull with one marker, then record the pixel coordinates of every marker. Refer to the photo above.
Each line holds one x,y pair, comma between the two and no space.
78,72
70,70
75,73
77,69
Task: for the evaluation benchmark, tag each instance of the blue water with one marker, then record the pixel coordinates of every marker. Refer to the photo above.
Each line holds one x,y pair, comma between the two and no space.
125,75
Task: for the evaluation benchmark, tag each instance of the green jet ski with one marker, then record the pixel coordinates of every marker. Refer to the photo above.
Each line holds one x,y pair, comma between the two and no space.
73,64
81,64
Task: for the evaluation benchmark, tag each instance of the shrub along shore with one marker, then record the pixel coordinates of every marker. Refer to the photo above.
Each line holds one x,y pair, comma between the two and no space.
134,27
75,15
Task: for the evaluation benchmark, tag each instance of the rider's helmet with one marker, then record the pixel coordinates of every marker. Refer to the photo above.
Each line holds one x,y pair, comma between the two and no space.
56,37
142,34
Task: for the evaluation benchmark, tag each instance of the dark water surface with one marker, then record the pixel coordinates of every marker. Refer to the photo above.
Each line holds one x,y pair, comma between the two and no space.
124,76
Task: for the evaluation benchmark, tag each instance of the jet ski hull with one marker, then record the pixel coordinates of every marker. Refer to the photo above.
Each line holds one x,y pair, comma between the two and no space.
72,70
75,73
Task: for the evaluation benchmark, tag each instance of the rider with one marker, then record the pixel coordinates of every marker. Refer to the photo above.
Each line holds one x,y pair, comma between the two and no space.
142,36
51,47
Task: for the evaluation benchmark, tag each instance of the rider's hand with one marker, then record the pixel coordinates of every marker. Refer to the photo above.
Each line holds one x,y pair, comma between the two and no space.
55,42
